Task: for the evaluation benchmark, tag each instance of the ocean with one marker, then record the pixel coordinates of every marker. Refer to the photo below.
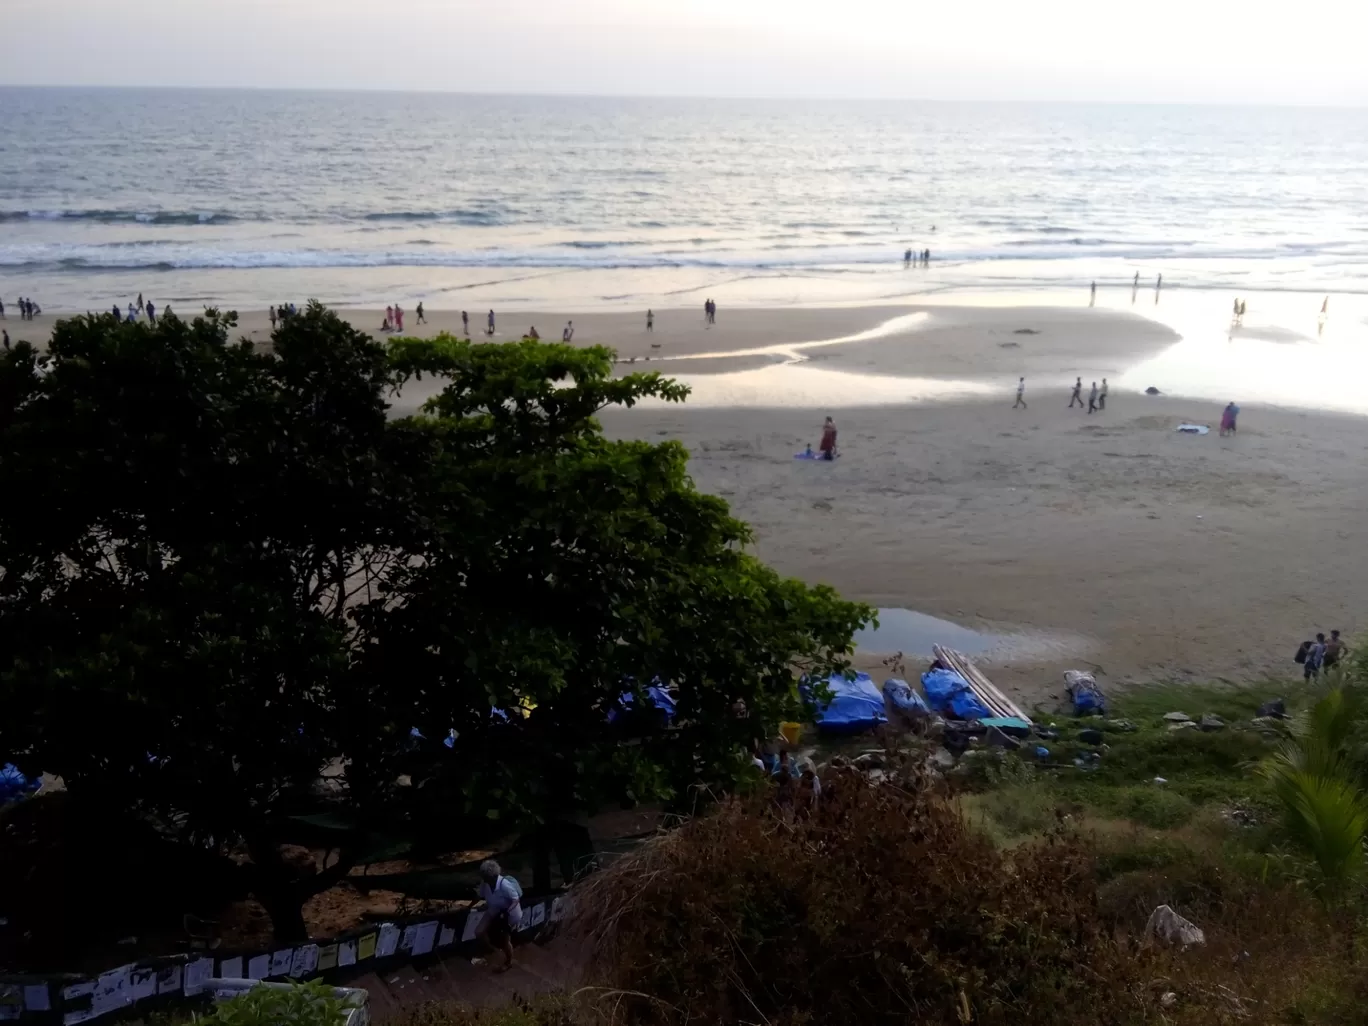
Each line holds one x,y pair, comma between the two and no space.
242,198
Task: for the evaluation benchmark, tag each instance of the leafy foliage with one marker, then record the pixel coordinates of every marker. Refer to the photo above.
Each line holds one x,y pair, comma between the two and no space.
1317,779
234,584
298,1004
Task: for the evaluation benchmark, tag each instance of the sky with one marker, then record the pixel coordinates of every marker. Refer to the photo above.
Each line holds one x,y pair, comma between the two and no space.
1164,51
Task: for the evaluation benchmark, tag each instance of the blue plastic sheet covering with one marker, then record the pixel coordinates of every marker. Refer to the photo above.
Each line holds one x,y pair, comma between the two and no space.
14,784
855,705
657,696
950,695
1087,697
901,697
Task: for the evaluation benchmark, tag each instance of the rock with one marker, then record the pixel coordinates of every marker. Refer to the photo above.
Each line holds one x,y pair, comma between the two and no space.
1152,391
1001,739
1168,1000
1122,726
1160,780
1186,725
1178,717
1091,737
876,776
1210,723
1168,927
870,761
941,759
1276,708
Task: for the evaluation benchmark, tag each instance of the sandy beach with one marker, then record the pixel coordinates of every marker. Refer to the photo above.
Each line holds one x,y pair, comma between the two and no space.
1115,542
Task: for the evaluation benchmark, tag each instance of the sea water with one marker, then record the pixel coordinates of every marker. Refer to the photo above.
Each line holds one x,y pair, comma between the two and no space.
241,198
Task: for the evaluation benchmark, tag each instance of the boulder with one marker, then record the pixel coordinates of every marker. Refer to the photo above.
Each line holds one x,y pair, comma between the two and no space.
1185,725
1122,726
1178,717
1210,723
941,759
1152,391
1166,926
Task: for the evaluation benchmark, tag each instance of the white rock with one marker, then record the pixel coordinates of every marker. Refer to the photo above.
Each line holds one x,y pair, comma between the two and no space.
1168,927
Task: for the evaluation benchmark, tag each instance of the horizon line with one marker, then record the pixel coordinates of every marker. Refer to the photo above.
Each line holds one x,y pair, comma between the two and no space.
754,97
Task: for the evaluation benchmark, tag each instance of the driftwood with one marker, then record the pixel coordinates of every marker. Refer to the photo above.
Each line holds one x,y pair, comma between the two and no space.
998,703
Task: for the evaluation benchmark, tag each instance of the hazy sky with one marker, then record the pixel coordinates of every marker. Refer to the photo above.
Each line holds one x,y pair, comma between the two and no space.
1311,51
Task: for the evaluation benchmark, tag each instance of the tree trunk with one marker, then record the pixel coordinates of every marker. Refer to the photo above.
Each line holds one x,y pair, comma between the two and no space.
286,912
274,884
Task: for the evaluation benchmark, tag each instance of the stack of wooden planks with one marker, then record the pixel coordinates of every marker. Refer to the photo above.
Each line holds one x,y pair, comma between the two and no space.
987,693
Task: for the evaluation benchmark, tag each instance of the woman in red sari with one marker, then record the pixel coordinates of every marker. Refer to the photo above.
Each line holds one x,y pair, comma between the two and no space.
828,446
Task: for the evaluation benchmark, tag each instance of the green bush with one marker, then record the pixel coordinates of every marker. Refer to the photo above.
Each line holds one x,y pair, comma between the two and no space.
300,1004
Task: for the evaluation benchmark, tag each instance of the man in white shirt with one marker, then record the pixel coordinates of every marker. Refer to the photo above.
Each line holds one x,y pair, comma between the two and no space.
503,911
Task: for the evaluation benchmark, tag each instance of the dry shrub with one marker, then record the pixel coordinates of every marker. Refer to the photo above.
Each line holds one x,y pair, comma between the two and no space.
880,905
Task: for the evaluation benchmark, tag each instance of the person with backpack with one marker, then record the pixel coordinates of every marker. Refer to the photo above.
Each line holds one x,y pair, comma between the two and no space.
503,911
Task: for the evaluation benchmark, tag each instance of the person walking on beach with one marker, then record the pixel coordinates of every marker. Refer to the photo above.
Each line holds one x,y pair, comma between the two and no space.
650,321
141,307
272,314
421,318
389,319
1315,656
398,318
1158,286
1092,399
465,324
1092,295
1334,649
490,329
2,309
1021,395
1077,396
1102,396
151,312
568,335
1228,416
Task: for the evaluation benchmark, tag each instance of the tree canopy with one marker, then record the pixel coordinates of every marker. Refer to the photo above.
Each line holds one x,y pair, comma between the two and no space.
232,584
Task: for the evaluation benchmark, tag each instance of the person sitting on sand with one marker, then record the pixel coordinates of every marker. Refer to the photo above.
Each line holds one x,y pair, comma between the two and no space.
827,447
532,334
503,911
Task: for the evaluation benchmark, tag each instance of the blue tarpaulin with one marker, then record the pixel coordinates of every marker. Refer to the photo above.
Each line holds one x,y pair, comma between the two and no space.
657,696
950,695
855,705
14,784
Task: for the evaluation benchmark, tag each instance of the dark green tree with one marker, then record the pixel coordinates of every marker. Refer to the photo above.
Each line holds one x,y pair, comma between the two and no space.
230,585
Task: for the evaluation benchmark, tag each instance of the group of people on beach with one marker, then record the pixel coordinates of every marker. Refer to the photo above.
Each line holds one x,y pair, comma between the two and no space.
1321,654
1228,419
709,313
1097,398
922,259
280,314
138,309
28,309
